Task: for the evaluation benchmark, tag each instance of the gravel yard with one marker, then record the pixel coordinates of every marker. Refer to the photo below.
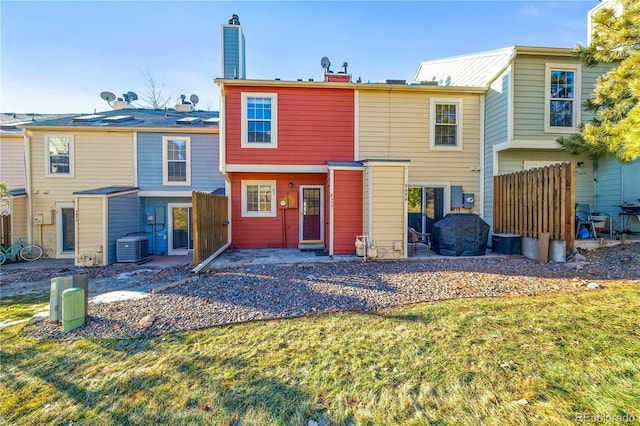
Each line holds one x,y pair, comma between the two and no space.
277,291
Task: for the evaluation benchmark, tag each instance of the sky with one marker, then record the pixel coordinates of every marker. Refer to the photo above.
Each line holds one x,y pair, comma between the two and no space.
57,57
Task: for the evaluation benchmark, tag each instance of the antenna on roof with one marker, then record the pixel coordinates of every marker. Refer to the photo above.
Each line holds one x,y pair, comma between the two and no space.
325,63
108,96
130,96
194,100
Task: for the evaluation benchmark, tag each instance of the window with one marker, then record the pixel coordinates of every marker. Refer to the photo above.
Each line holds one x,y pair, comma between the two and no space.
562,98
59,155
259,120
176,160
258,198
446,124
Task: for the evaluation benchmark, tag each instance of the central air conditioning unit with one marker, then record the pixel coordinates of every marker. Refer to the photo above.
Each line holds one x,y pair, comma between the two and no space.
132,249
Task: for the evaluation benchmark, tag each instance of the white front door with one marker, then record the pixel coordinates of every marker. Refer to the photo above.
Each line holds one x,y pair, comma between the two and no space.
180,226
65,230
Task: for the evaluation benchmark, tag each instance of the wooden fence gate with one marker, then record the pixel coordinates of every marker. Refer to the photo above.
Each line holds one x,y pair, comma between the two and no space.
210,224
5,230
535,201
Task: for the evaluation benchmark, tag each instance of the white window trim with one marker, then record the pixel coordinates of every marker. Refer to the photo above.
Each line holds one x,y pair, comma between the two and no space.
577,101
244,141
432,124
60,253
47,170
272,212
165,161
170,250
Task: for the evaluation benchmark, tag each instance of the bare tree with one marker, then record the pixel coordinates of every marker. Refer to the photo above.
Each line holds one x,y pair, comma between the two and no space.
156,95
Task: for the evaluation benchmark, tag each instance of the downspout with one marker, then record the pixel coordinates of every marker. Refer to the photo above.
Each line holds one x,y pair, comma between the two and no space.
595,183
135,159
482,168
27,171
331,212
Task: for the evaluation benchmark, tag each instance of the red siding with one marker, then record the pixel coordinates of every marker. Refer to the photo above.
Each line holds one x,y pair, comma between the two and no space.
269,232
347,210
314,125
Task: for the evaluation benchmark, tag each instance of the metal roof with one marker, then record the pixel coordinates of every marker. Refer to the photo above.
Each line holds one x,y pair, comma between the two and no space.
478,69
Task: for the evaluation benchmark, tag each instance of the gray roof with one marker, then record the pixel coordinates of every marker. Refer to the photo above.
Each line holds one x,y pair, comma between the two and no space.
107,190
9,121
134,118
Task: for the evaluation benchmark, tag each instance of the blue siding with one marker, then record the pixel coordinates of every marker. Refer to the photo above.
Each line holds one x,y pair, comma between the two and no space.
158,236
631,181
205,174
495,132
609,186
617,183
231,52
123,211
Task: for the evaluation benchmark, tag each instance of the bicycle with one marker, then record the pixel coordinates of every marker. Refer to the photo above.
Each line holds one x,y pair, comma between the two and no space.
27,252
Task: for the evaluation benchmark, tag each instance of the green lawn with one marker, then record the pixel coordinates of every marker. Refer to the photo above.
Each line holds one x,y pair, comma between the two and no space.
454,362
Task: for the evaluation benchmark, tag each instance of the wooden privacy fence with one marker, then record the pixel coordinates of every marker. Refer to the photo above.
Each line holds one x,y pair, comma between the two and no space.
5,230
210,224
536,201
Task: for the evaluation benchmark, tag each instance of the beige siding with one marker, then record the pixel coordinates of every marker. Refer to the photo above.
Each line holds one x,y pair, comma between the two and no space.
19,219
100,159
90,229
513,161
396,125
388,209
366,200
12,161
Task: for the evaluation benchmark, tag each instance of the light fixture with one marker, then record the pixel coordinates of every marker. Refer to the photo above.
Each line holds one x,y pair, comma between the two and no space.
290,184
580,164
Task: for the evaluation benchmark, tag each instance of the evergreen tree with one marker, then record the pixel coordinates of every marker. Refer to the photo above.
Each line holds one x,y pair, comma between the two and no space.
615,130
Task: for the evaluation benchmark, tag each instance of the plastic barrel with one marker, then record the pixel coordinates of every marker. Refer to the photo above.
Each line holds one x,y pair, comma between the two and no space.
72,308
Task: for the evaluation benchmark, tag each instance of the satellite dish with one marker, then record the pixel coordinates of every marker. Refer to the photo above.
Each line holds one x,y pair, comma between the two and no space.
325,63
132,96
194,99
108,96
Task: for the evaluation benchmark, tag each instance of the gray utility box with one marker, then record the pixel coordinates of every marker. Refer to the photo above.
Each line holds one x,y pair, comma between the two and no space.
60,284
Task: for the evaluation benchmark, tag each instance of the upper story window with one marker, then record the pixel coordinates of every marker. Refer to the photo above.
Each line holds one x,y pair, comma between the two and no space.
258,198
176,160
259,120
59,155
562,98
446,124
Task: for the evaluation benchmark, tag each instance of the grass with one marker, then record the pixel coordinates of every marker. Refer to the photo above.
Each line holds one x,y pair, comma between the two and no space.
454,362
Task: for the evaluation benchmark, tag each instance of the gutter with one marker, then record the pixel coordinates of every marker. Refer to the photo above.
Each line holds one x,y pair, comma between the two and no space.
27,172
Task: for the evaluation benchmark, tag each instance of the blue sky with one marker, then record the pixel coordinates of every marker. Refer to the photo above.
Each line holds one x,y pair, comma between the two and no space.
57,57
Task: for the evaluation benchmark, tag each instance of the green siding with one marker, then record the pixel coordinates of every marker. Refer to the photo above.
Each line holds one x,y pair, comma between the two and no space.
495,132
529,93
513,161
